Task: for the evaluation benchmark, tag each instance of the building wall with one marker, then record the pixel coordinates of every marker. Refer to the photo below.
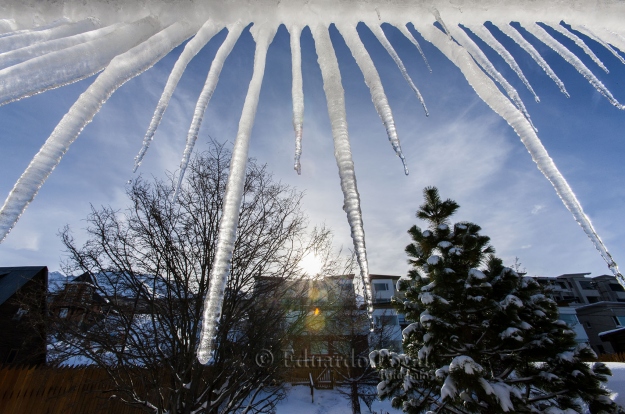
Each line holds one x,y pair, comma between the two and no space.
601,317
22,338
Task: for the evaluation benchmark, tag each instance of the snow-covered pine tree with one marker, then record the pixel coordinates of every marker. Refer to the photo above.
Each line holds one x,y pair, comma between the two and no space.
485,339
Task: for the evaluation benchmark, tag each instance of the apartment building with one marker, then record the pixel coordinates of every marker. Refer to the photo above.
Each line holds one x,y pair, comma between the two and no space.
593,306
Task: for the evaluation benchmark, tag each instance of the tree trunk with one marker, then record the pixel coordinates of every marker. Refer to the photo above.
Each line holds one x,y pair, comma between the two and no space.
355,401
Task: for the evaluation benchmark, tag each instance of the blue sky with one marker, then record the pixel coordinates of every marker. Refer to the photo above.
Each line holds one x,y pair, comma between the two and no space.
463,148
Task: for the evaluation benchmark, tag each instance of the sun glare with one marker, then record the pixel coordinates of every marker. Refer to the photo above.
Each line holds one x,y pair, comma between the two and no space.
311,264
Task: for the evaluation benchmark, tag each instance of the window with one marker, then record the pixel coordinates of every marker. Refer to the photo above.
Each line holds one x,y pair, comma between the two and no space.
586,285
380,286
570,319
386,320
562,285
592,299
619,320
20,312
615,287
318,347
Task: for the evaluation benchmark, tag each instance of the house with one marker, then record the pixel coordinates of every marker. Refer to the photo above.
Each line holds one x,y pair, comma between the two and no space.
22,309
599,319
577,288
78,302
594,304
332,325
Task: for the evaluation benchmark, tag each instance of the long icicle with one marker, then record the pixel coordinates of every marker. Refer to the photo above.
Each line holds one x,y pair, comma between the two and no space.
579,42
542,35
372,79
463,38
514,34
29,52
297,93
335,97
615,39
33,36
483,33
492,96
192,48
27,78
7,26
414,41
205,96
379,34
586,31
232,199
120,70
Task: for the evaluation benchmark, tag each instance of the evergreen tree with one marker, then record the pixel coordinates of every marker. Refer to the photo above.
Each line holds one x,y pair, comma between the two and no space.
485,339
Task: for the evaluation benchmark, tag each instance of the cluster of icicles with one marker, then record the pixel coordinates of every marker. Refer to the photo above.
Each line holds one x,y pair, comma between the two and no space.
33,60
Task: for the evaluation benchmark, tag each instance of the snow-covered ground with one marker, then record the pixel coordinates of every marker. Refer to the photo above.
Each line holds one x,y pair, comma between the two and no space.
326,402
331,402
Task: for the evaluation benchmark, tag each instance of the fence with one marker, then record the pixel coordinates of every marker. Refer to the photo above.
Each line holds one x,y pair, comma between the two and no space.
67,390
83,389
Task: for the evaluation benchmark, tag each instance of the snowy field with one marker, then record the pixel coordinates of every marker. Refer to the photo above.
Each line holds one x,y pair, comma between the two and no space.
331,402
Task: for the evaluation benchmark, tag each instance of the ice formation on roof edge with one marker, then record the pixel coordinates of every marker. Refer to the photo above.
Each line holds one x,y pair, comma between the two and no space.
163,25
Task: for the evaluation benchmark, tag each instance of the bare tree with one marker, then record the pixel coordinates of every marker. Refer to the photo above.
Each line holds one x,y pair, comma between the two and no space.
150,266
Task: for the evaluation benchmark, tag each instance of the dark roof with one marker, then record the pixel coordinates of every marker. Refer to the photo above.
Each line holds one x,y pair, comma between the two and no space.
13,278
84,278
573,275
602,304
607,335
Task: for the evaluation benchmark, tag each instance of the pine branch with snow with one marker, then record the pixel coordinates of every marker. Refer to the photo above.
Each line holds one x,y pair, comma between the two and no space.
484,338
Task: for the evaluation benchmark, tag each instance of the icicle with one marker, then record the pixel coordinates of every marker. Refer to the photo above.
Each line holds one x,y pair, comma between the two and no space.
7,26
120,70
513,34
461,36
29,52
493,97
232,199
372,79
192,48
585,30
616,39
27,78
579,42
379,34
34,36
207,92
336,110
297,92
14,31
483,33
410,37
547,39
440,21
59,22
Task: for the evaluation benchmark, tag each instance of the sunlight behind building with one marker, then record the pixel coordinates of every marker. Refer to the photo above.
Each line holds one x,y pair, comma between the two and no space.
311,264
